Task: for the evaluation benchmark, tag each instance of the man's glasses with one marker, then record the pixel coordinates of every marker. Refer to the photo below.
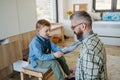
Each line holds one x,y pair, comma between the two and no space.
73,27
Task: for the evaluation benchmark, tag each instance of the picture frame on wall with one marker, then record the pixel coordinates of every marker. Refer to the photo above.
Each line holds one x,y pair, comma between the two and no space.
77,7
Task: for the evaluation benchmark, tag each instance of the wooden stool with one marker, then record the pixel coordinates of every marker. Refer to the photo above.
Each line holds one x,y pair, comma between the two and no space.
26,69
42,74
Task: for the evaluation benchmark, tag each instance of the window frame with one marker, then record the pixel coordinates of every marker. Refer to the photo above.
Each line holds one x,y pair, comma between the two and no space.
113,7
57,18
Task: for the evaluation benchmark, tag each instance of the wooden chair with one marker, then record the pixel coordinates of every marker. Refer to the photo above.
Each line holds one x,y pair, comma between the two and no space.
40,73
26,69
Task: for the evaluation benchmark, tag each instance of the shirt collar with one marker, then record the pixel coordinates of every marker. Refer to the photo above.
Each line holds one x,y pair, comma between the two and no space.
42,38
86,36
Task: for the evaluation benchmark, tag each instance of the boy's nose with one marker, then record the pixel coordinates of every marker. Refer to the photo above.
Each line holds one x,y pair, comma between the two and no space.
48,32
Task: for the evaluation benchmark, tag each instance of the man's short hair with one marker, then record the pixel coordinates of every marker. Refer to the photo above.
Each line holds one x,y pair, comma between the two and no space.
81,17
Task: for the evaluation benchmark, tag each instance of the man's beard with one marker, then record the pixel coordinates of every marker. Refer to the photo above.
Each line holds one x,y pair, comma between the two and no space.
79,35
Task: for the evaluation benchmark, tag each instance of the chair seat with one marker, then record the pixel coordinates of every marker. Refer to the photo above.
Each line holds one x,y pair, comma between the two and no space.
42,73
42,70
18,65
25,68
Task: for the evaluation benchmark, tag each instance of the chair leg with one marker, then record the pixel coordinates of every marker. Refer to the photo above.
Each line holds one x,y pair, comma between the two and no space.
39,78
23,76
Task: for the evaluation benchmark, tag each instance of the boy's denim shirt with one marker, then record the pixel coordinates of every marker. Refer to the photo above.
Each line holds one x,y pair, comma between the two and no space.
37,49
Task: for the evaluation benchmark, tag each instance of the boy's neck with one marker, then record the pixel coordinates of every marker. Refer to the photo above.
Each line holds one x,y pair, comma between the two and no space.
43,37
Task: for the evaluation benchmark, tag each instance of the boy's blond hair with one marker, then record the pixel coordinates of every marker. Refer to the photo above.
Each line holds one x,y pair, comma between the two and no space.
42,23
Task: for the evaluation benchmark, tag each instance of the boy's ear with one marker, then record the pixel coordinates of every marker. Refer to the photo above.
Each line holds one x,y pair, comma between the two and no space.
37,29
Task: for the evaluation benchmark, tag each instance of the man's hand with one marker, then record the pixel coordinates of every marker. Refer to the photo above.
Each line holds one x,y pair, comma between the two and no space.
58,54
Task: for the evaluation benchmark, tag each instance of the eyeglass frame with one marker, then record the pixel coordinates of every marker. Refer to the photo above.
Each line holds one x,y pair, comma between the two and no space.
73,27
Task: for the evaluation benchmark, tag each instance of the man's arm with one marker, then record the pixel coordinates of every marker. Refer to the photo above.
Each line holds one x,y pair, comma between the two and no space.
91,65
71,48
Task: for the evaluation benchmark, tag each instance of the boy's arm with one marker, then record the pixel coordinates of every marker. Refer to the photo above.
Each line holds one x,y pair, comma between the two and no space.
54,47
37,49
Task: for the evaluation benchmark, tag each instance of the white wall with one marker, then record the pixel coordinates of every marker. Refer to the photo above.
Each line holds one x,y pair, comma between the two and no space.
17,16
27,15
65,5
8,18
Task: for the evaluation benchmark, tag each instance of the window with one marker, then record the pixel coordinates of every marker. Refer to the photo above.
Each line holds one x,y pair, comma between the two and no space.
47,9
118,4
106,5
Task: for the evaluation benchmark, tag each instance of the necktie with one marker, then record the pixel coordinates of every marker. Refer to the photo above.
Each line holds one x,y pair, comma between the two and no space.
74,46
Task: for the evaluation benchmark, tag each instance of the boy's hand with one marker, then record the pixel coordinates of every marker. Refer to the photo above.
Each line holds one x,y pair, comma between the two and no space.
64,48
58,54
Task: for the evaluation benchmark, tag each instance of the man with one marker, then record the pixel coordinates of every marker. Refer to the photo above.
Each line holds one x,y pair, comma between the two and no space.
91,64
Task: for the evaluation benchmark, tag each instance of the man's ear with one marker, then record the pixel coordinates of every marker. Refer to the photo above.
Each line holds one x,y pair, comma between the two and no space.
83,26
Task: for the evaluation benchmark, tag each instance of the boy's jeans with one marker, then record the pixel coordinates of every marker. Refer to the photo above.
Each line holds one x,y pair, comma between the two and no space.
55,66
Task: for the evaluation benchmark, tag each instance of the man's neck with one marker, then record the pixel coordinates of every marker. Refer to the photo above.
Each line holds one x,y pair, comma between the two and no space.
86,31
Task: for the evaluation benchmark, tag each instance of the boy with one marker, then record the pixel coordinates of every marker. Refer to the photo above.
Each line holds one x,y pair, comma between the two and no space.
40,52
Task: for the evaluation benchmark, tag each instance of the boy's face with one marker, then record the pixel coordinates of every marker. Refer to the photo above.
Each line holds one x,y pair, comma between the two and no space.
44,32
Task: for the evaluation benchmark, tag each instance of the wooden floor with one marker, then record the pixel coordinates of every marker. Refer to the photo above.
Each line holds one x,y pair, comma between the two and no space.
71,58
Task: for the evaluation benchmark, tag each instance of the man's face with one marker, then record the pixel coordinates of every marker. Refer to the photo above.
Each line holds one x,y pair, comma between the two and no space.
77,29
